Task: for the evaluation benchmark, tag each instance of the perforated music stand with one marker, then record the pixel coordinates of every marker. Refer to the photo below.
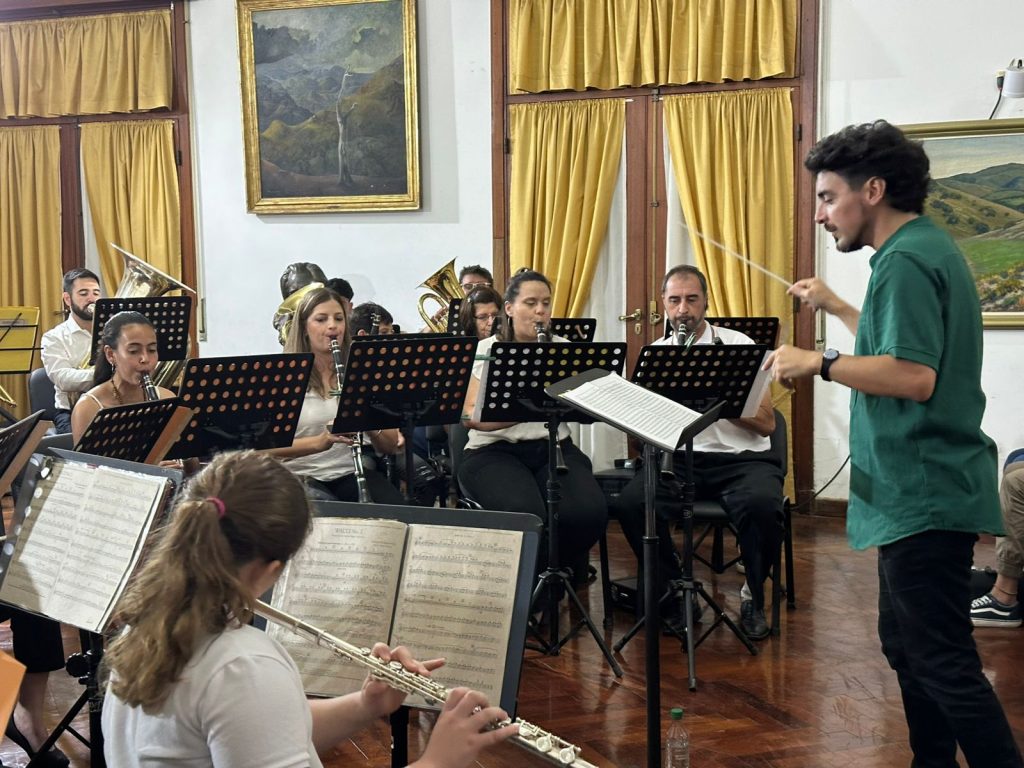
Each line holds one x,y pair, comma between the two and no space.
242,402
128,432
404,381
453,315
512,389
761,330
170,316
699,377
574,328
19,329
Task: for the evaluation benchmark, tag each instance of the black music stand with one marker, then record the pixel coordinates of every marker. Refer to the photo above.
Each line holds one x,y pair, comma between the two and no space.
128,432
19,327
574,328
512,389
84,665
453,315
404,381
699,377
170,316
247,402
761,330
531,527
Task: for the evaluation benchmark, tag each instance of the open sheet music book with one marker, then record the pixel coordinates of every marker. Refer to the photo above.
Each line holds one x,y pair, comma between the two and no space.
442,591
79,535
644,414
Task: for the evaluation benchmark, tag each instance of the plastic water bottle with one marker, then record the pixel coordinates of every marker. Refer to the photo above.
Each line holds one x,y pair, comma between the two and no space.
677,742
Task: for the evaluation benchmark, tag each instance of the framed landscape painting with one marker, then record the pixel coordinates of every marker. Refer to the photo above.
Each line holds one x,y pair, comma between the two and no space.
329,105
977,195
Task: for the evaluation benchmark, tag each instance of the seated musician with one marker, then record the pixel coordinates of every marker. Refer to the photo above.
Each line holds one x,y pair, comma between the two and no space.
190,683
731,464
478,313
324,459
505,464
128,351
369,319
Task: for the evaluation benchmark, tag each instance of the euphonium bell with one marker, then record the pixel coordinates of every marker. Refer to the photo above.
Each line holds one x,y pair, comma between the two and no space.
442,287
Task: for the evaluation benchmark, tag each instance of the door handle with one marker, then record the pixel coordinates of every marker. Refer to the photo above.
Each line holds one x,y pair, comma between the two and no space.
635,315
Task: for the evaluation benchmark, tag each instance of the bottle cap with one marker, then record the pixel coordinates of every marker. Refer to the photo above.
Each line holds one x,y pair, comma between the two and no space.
676,713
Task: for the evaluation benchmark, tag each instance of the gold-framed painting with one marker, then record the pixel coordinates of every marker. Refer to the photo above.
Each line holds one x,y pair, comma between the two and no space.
977,195
329,105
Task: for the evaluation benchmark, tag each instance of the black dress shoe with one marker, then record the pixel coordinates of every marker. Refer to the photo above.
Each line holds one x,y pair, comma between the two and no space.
752,621
53,758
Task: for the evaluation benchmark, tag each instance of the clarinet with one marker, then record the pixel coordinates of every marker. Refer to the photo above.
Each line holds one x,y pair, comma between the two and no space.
356,446
149,389
544,337
684,339
530,737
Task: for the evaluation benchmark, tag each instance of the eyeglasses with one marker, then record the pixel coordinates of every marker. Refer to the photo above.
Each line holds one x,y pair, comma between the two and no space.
470,287
481,318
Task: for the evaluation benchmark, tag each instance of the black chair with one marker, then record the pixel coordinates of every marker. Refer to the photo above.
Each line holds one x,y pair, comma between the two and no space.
41,394
712,516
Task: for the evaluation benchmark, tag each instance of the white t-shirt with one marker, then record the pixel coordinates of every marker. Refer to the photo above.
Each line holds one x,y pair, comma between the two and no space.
239,704
65,348
317,412
517,433
723,436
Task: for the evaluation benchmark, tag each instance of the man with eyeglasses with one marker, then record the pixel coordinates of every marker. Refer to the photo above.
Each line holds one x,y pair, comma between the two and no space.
475,276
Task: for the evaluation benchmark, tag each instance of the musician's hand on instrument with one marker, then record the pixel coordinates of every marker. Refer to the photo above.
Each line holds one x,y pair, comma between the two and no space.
328,438
464,728
790,363
381,699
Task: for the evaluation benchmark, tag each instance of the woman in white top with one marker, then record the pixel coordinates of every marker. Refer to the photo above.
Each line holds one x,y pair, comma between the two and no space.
505,464
191,684
321,458
128,350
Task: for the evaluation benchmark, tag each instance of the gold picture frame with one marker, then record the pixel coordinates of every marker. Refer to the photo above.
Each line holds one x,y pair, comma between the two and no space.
329,105
976,168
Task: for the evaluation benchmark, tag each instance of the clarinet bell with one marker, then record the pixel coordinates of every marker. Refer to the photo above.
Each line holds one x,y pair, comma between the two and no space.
560,466
667,468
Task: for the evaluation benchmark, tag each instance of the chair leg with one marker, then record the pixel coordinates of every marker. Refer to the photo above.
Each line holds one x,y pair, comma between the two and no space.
777,592
787,521
718,551
606,581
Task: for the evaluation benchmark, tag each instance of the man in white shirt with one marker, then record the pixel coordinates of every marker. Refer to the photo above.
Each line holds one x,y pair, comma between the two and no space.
66,347
732,465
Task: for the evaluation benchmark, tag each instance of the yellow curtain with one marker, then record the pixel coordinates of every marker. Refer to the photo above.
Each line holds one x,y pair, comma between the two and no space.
732,155
131,184
118,62
578,44
30,255
565,163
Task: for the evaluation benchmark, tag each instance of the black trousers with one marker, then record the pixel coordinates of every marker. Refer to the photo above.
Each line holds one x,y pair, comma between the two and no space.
749,488
924,600
511,477
345,489
36,640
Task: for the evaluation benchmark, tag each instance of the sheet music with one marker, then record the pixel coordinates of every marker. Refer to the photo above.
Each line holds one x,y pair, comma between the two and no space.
757,390
456,599
81,538
648,415
342,581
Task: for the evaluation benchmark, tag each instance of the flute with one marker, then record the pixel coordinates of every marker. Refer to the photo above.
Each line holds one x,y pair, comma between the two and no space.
530,737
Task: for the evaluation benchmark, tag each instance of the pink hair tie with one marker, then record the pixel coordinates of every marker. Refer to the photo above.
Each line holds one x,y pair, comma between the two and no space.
221,509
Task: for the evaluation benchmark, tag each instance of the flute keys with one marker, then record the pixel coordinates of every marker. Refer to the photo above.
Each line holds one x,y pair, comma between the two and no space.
543,743
567,755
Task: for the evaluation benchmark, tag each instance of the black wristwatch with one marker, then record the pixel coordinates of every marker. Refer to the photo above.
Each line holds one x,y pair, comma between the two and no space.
827,358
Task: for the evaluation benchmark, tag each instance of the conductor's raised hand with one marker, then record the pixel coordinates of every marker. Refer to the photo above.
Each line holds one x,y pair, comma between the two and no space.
381,699
464,728
815,293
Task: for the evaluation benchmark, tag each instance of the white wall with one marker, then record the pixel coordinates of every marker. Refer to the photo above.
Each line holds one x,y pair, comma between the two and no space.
384,255
913,62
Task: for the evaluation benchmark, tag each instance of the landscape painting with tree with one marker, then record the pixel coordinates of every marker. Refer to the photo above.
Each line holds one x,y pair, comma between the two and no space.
977,195
329,105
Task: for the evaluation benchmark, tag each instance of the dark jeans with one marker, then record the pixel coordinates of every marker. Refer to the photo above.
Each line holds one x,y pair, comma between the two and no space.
345,489
511,477
924,623
749,488
62,421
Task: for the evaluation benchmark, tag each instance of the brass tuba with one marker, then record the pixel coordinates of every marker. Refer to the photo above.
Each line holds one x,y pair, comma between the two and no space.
442,287
142,281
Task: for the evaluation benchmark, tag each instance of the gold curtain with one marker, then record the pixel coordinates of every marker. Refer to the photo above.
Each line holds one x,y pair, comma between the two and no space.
131,184
30,246
573,45
565,163
732,155
118,62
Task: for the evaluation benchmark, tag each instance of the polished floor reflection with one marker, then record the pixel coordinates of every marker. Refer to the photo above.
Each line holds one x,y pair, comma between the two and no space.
818,696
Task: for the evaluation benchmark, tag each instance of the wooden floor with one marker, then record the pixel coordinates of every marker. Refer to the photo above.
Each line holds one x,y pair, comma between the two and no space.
818,696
